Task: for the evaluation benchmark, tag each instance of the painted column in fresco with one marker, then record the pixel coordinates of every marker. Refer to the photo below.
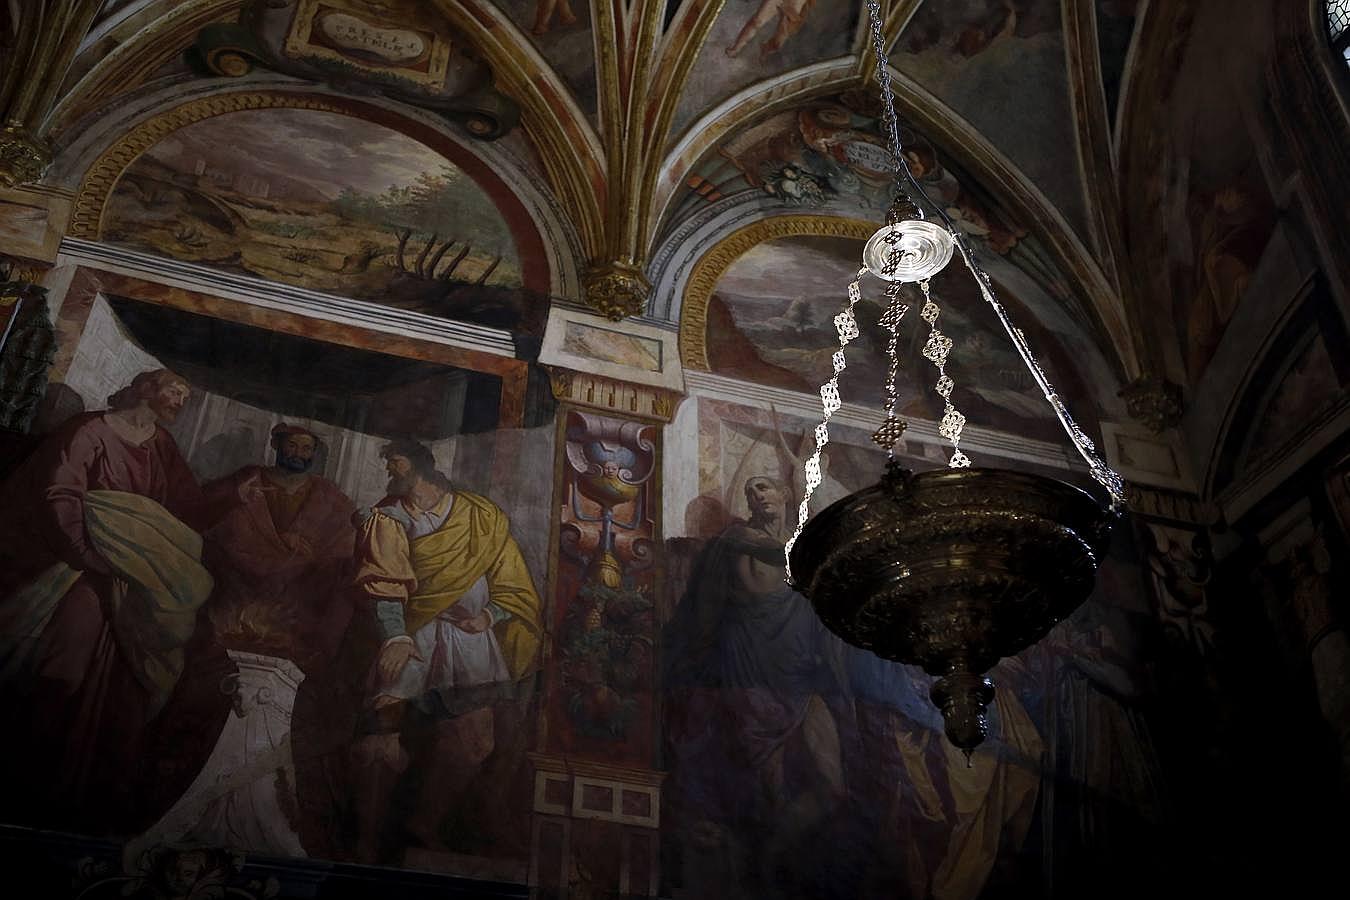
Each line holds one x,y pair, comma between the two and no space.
236,800
597,791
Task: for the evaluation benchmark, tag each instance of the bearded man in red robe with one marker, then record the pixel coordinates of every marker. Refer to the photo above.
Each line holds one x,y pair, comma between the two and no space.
100,583
282,561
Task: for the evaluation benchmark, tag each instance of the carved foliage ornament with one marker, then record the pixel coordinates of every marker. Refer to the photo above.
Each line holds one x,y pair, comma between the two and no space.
1154,401
616,289
23,157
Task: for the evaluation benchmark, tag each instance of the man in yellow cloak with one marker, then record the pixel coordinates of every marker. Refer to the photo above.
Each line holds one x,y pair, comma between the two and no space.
456,618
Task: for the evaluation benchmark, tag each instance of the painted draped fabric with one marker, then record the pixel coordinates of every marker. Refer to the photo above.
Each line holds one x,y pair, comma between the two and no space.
268,597
435,573
742,669
81,699
157,587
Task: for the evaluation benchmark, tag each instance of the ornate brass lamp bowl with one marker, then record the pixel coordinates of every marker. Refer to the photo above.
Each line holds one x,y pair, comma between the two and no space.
952,570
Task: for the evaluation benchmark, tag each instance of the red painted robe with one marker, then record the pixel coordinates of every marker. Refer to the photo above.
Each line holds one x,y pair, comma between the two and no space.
76,717
269,598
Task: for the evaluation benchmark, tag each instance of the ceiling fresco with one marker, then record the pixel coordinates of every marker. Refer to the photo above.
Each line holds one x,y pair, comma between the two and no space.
1115,28
753,42
1000,64
830,152
562,32
624,167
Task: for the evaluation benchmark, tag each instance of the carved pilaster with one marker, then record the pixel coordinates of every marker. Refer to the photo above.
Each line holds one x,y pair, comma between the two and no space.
616,289
27,348
1153,401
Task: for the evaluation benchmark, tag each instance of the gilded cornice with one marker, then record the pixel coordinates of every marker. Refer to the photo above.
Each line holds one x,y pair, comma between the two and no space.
90,200
713,264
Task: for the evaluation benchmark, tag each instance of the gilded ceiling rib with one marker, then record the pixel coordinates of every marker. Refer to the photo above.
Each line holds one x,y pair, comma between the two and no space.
1161,34
47,37
569,148
142,54
1099,186
897,18
689,31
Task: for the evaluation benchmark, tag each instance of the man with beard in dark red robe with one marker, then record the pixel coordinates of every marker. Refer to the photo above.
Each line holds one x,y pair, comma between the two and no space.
282,561
74,701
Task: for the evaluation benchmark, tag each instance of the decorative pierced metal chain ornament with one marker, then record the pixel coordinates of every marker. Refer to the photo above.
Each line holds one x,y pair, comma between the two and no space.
956,568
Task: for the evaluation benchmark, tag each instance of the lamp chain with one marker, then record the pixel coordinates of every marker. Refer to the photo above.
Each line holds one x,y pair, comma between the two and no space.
935,350
846,323
1101,472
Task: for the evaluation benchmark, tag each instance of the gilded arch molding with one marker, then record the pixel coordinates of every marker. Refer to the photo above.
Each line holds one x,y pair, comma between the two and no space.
96,186
541,228
967,148
711,266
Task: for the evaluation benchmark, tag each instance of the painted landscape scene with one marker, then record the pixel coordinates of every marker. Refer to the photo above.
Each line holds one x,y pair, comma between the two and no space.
326,202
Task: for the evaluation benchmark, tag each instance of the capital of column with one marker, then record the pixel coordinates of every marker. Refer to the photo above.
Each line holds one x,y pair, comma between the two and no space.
23,157
616,289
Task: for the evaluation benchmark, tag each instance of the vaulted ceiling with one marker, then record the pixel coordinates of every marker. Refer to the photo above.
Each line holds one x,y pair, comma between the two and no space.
647,131
621,101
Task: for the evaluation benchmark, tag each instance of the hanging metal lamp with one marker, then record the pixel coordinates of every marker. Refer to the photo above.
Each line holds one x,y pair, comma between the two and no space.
953,569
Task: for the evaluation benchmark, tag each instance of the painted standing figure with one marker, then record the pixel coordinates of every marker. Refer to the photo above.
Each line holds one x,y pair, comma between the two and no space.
753,682
791,15
450,618
282,561
100,584
544,11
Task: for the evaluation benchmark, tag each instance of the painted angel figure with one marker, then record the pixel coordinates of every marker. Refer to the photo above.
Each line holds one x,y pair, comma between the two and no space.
791,15
544,11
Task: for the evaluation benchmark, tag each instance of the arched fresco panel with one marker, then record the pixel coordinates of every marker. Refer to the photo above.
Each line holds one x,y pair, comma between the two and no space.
338,204
770,321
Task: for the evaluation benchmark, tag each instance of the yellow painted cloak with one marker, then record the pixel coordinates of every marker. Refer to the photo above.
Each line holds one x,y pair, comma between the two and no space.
433,572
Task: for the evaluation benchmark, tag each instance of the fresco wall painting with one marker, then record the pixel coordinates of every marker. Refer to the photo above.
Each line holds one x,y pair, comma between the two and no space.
598,800
242,709
326,201
802,767
756,334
